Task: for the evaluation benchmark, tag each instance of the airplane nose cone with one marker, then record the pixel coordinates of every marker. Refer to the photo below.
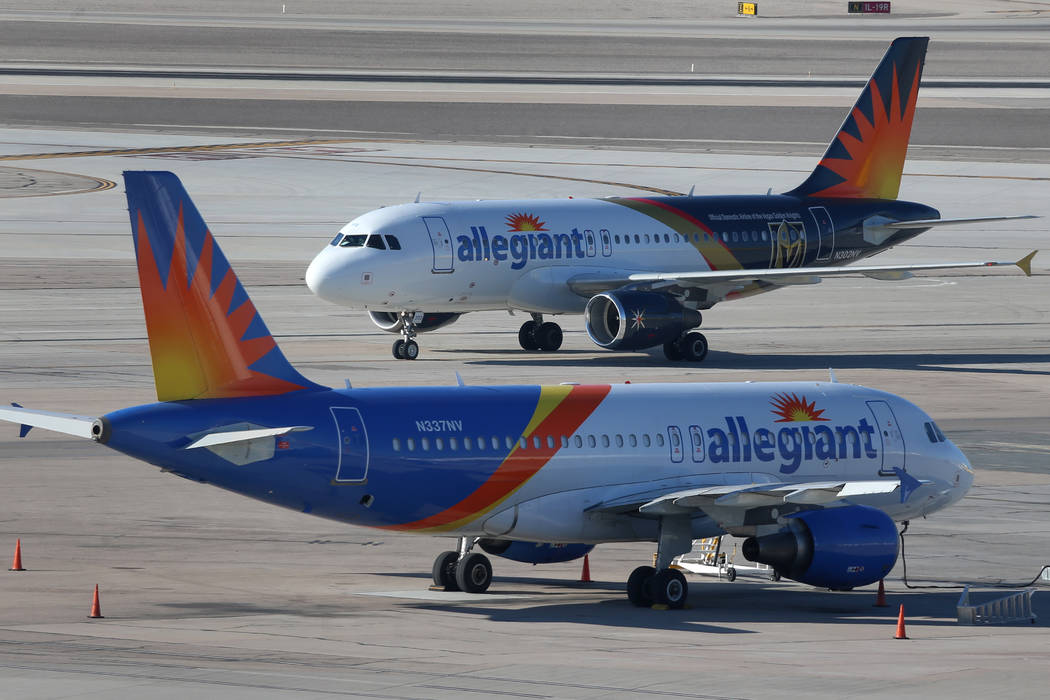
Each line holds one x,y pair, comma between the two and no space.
321,277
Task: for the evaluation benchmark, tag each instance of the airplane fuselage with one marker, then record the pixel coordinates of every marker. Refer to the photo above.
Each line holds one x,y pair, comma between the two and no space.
522,254
526,462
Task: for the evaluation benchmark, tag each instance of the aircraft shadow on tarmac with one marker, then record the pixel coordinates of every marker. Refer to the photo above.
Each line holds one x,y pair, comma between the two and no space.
936,362
713,606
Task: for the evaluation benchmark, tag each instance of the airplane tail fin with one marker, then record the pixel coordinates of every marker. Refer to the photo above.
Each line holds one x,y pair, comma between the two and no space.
866,157
205,336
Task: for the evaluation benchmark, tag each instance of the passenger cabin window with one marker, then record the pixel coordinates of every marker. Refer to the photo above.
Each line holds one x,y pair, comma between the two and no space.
353,240
392,242
375,241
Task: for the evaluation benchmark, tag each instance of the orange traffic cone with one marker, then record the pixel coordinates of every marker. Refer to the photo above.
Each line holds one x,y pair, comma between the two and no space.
900,625
880,599
16,563
96,609
585,575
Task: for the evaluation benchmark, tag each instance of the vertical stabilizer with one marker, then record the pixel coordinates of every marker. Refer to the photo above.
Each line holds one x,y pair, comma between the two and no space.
205,336
866,157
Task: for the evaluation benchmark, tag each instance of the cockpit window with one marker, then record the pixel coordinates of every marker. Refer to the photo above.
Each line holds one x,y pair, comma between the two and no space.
353,240
338,237
375,241
392,242
933,432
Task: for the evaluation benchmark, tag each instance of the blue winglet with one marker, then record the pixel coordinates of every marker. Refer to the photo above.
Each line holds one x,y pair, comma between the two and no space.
23,429
908,483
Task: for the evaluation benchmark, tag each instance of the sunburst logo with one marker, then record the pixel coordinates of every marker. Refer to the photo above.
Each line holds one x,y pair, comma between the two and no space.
793,408
525,222
637,319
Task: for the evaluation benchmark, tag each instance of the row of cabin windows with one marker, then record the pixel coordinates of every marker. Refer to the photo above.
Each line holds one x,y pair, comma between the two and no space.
378,241
695,237
537,442
388,242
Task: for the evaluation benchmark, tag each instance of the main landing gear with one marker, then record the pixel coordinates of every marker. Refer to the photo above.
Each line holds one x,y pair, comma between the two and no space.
690,346
662,585
463,570
405,347
537,335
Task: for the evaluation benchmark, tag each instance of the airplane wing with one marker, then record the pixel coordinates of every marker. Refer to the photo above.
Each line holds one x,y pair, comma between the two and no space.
740,505
594,283
78,426
235,436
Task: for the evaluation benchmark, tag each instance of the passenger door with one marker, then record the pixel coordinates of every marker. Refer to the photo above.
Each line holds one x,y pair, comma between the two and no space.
352,466
892,437
441,241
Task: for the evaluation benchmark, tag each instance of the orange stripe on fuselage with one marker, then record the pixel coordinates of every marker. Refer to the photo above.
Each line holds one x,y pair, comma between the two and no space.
571,410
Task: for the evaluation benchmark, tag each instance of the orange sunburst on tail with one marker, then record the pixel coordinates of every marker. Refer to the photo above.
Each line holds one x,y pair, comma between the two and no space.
206,338
794,408
866,158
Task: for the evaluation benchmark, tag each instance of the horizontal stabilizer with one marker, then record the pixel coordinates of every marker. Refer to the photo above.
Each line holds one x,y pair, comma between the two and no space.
78,426
930,223
234,436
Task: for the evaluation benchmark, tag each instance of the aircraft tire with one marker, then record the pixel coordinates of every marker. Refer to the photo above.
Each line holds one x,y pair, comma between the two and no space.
411,350
637,591
527,336
669,588
444,571
694,347
398,349
548,336
474,573
730,574
672,351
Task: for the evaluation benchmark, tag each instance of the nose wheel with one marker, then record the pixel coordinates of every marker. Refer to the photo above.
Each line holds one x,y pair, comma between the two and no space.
405,347
537,335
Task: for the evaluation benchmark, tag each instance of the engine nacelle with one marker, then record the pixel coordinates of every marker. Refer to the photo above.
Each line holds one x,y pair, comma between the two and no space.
390,321
636,320
837,548
534,552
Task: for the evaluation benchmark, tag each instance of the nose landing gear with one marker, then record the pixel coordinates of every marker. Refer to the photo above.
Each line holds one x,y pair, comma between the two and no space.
537,335
405,347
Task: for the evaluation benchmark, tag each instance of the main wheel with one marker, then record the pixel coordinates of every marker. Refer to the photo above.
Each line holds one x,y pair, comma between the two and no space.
669,587
548,336
527,336
731,574
637,591
444,570
694,347
411,349
398,349
474,573
672,351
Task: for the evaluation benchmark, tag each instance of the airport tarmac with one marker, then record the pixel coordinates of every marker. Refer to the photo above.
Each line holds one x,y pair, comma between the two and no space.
209,593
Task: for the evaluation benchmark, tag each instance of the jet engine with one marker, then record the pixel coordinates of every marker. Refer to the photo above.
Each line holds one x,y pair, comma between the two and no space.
390,321
836,548
636,320
534,552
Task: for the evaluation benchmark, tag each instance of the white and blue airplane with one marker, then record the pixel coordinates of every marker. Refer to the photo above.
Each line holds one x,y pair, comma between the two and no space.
813,474
642,269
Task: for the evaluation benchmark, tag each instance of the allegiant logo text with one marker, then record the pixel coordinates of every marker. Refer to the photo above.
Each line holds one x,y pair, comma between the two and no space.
738,443
522,247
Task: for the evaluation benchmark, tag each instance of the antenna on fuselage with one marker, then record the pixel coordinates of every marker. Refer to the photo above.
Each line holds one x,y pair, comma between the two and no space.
831,376
348,384
418,195
691,190
769,191
459,379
